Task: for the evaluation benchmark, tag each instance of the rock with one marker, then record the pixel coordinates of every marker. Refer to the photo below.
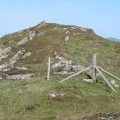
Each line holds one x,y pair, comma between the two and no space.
56,65
18,55
78,67
6,70
67,67
3,56
20,76
23,41
67,38
88,80
64,66
57,94
67,32
43,23
28,54
61,61
4,66
21,68
11,42
4,52
31,35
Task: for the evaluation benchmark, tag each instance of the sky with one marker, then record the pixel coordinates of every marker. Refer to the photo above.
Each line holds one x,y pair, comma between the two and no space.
103,16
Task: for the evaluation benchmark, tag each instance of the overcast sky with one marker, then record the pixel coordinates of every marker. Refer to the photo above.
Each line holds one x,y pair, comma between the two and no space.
103,16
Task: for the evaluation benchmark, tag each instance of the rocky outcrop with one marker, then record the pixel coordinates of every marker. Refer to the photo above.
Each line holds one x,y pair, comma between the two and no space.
4,52
20,54
64,66
43,23
31,35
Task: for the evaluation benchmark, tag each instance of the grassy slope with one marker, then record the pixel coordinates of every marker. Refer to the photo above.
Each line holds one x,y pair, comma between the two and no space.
30,99
79,48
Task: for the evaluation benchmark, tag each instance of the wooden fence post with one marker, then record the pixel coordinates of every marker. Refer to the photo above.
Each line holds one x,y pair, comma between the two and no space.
48,72
94,67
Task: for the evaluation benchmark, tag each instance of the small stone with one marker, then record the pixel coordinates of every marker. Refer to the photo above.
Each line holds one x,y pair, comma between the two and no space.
67,32
28,54
21,68
67,38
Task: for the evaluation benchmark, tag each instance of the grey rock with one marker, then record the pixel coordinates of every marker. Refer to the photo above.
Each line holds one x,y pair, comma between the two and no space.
20,76
5,65
67,38
28,54
67,32
64,66
4,52
23,41
31,35
43,23
21,68
57,94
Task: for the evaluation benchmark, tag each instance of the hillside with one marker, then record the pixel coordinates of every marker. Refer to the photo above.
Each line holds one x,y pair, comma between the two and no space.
71,49
31,47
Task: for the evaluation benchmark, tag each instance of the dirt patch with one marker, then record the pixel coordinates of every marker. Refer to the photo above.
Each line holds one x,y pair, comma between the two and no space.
103,116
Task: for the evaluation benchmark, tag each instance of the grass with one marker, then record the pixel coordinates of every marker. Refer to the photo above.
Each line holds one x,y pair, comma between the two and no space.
30,99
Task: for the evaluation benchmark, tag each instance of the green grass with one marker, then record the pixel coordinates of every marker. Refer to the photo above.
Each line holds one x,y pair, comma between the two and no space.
30,99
